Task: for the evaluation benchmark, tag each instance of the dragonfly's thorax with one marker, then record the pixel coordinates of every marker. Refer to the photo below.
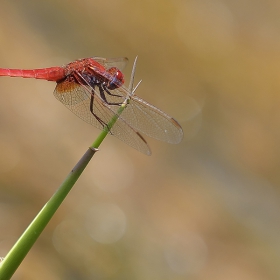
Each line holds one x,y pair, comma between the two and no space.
93,73
111,78
90,79
81,66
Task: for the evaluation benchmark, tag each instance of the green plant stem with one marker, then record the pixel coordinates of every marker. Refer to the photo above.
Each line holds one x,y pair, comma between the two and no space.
16,255
30,235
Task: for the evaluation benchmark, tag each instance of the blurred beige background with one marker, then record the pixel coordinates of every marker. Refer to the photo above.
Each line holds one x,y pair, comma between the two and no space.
207,208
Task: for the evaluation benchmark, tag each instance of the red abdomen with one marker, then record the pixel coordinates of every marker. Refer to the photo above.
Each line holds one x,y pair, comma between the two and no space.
50,74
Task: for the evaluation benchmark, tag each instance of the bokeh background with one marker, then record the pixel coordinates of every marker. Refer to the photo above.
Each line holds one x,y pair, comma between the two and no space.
208,208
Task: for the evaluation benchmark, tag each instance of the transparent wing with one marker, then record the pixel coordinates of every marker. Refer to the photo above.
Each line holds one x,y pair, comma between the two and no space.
77,98
119,62
150,120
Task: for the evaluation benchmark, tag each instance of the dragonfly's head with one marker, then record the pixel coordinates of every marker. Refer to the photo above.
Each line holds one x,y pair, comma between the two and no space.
117,78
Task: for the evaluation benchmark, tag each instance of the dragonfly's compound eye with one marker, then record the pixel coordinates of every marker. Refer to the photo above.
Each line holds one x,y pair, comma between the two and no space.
117,79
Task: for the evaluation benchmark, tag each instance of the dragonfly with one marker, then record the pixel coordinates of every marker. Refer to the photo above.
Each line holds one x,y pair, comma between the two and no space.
93,89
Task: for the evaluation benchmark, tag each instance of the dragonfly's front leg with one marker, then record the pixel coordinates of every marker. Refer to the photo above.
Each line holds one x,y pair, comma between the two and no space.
110,93
102,91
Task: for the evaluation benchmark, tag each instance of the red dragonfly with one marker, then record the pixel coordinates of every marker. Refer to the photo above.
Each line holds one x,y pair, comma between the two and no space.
93,89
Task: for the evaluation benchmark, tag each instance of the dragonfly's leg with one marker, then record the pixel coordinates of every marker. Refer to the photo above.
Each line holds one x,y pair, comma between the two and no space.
91,110
110,93
102,95
91,101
